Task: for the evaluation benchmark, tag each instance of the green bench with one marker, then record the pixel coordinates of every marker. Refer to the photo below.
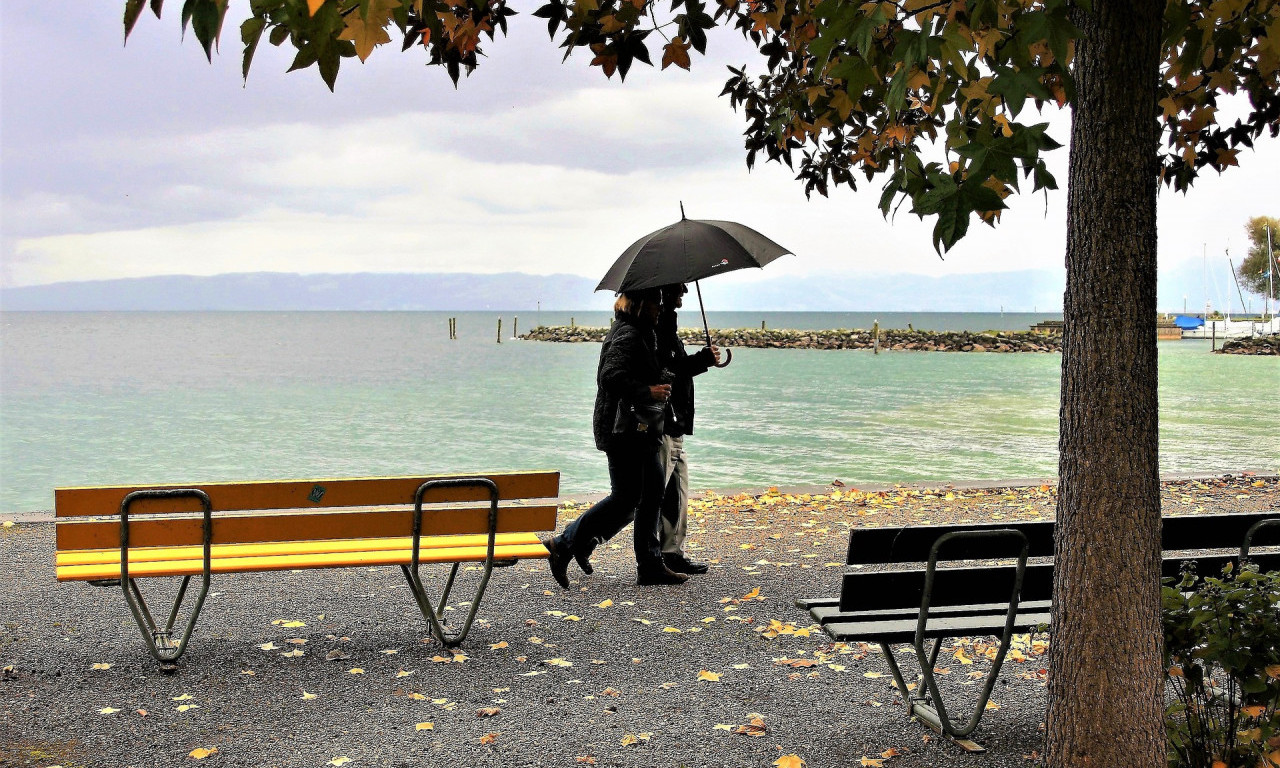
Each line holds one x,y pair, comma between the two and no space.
895,592
118,535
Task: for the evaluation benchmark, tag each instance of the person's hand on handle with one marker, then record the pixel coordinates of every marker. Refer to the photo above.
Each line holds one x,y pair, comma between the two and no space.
715,352
660,392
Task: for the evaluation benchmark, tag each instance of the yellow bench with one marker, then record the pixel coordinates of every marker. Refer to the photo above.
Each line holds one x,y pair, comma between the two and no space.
116,535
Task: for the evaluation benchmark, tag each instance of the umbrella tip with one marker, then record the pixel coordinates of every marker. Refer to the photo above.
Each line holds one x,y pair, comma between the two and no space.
682,218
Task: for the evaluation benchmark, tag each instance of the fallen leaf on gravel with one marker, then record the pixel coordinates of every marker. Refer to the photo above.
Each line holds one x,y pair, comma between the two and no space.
459,658
890,752
742,666
417,696
501,690
142,712
604,604
306,696
201,753
723,727
558,662
101,666
630,738
488,738
868,762
496,646
610,692
296,641
587,759
992,705
755,727
108,711
336,655
391,651
185,707
534,673
488,711
340,761
442,659
355,671
183,697
403,673
424,727
294,654
789,761
669,686
672,630
872,674
289,624
268,646
710,677
645,622
572,618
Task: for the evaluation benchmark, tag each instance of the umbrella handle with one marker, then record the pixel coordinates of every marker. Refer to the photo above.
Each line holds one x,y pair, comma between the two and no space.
728,353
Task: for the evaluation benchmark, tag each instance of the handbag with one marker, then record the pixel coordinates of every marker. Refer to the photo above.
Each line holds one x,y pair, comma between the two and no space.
648,419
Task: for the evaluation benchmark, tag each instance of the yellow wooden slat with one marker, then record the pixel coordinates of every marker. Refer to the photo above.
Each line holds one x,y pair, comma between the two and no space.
295,562
157,554
305,494
245,528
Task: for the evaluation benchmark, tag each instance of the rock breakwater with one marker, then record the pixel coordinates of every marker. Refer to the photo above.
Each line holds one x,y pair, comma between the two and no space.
1259,345
890,339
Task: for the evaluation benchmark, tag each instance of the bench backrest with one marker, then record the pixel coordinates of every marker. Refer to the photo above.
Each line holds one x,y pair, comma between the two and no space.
305,510
875,590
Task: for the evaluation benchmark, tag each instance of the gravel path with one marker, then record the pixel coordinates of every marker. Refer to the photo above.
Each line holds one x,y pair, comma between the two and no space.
318,668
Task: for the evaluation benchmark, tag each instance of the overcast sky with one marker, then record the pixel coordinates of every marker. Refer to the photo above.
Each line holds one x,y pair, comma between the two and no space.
128,161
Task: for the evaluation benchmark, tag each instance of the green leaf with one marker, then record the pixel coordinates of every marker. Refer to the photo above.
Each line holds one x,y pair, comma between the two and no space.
250,34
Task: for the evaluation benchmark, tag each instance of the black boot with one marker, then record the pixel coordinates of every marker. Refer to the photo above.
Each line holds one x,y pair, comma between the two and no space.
558,559
680,564
656,573
583,558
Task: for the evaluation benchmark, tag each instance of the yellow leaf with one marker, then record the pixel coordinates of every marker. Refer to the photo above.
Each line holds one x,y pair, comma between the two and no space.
628,740
753,594
723,727
185,707
1254,710
417,696
890,752
403,673
868,762
488,738
355,671
102,666
1273,670
872,674
340,761
672,630
307,696
992,705
7,524
108,711
201,753
369,32
288,624
645,622
424,727
710,677
268,646
558,663
789,761
314,5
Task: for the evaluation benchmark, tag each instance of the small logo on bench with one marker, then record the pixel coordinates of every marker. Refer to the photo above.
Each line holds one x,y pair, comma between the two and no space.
317,493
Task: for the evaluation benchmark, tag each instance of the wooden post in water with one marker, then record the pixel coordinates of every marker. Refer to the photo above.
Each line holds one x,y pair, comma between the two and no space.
499,330
573,323
875,333
1214,330
515,326
762,325
453,334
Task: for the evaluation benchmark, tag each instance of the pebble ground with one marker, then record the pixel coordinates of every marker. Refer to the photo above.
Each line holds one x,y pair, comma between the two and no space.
321,668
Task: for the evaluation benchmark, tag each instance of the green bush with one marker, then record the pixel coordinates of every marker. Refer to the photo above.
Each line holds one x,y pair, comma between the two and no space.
1222,657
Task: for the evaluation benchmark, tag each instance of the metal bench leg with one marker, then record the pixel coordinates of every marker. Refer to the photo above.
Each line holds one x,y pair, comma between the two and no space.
435,615
160,641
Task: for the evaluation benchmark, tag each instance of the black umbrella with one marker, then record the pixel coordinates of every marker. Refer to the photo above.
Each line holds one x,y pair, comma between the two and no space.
686,252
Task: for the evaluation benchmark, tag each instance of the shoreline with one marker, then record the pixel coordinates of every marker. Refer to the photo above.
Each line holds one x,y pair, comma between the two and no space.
45,516
841,338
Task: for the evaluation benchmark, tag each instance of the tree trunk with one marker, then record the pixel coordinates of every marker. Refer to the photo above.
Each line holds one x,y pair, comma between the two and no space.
1106,676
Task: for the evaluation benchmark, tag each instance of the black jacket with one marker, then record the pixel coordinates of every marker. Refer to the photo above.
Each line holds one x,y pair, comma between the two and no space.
628,367
683,367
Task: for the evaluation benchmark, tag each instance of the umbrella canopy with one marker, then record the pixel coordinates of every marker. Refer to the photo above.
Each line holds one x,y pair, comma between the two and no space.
688,251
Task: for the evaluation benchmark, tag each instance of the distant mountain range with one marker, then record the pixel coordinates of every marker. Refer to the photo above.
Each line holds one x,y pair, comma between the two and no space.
263,291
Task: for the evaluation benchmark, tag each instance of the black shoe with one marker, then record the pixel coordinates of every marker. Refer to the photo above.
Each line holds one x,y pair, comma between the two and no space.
583,560
558,559
659,574
681,564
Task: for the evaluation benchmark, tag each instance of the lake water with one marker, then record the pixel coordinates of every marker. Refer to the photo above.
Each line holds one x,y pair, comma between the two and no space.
133,398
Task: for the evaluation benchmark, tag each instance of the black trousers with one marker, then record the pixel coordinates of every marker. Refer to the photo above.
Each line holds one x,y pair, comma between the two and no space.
636,477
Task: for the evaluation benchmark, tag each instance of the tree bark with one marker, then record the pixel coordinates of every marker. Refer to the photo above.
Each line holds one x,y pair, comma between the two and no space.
1106,676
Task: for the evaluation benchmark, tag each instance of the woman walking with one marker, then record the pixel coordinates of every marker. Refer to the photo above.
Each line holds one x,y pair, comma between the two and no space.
629,387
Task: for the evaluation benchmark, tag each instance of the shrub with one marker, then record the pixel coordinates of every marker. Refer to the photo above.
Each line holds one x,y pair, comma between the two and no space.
1222,656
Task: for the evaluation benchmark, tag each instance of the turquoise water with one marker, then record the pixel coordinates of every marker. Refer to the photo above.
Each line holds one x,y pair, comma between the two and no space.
116,398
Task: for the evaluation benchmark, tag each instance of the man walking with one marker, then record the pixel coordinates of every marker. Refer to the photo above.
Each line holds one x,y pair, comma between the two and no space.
683,366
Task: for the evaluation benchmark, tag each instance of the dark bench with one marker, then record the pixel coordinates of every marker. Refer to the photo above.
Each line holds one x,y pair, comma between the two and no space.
910,599
115,536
